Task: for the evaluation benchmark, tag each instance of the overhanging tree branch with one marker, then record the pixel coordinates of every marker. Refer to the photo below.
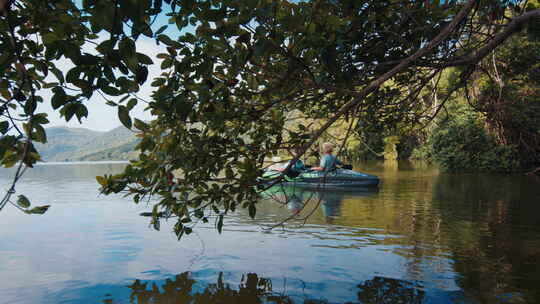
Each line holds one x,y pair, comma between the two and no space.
447,31
513,27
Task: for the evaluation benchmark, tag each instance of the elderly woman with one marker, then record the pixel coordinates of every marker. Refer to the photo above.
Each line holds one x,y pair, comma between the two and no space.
328,161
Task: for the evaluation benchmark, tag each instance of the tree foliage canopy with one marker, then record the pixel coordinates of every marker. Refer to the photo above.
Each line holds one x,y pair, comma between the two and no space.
231,73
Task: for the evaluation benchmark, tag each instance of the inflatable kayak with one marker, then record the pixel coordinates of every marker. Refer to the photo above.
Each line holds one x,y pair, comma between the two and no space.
335,179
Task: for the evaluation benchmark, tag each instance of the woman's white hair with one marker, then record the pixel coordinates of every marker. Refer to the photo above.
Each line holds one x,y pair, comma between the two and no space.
327,147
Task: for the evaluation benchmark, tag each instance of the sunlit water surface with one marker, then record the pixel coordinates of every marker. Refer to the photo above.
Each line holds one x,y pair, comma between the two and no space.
423,237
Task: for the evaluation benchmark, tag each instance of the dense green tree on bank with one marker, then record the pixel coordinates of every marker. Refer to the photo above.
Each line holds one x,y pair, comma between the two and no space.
493,123
510,97
231,72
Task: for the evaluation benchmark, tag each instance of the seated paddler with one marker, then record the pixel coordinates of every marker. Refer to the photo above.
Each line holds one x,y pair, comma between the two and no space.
328,160
296,168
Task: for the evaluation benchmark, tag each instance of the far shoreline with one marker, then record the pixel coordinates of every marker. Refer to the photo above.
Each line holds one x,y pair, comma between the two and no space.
82,162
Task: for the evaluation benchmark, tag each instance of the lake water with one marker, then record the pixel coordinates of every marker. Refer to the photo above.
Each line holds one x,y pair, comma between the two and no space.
423,237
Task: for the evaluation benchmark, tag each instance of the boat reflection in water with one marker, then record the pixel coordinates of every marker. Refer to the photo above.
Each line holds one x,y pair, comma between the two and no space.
305,201
185,288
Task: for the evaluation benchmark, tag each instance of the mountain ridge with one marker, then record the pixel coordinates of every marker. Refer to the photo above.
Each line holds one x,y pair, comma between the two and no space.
80,144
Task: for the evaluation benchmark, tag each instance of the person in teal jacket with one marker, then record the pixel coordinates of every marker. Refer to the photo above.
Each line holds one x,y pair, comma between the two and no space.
296,168
328,161
298,165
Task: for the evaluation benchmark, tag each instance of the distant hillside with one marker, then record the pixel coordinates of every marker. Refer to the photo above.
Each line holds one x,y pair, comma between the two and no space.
78,144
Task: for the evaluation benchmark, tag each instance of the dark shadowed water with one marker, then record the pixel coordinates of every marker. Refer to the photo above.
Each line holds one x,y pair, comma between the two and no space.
423,237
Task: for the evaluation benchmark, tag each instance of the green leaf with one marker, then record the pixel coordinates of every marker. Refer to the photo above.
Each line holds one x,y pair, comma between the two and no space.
59,75
127,48
199,213
220,223
156,224
214,14
27,129
5,93
49,38
165,39
161,30
23,201
68,111
73,75
141,75
19,96
40,118
111,91
10,159
39,134
81,112
59,98
4,126
140,125
123,115
38,209
144,59
167,63
50,85
106,46
158,82
252,210
102,181
131,103
30,106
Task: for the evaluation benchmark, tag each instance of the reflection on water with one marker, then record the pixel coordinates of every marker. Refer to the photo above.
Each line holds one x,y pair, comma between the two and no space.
184,288
492,224
423,237
303,203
